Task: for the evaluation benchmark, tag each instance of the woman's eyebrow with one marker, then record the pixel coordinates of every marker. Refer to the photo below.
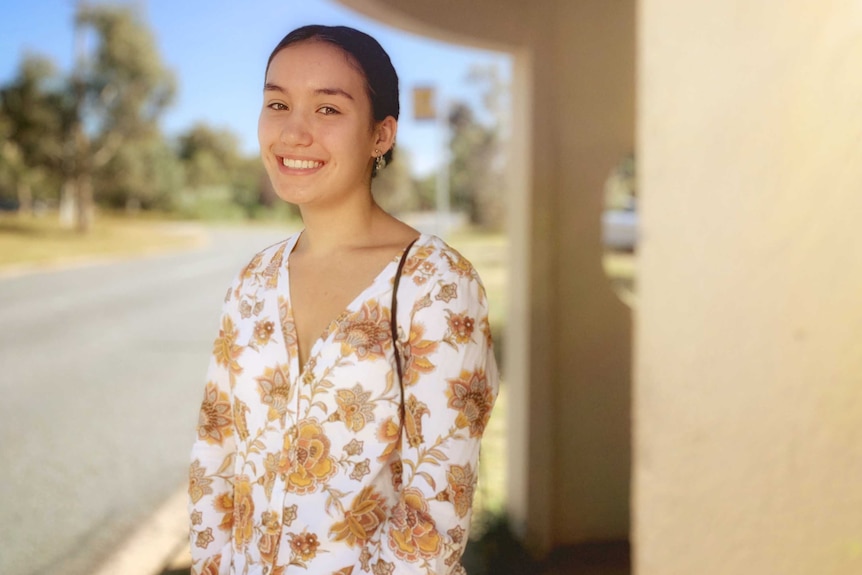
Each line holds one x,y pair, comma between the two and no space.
270,87
333,92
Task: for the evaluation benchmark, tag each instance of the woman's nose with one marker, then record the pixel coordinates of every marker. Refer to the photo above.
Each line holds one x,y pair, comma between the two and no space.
295,129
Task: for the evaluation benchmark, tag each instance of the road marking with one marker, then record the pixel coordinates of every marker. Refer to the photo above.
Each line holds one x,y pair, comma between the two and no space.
158,540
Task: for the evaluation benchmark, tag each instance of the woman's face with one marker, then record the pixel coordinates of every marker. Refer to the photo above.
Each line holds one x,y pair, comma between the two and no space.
316,133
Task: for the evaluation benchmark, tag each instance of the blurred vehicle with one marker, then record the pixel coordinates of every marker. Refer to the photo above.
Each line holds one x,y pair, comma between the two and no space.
8,205
620,228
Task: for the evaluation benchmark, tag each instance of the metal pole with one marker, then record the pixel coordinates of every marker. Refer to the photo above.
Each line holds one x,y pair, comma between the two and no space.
442,183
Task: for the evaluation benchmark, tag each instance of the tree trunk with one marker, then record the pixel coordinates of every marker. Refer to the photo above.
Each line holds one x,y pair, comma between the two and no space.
85,203
68,204
25,199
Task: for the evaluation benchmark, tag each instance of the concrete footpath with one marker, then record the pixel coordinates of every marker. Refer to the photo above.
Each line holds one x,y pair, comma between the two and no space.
160,543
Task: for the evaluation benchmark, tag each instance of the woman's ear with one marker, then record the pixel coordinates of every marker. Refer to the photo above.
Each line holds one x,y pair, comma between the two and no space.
385,132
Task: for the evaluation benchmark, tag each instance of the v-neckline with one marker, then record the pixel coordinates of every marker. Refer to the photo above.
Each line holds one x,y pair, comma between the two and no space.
313,351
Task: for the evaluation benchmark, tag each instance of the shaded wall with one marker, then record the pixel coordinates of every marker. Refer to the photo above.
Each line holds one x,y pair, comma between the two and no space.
568,339
749,328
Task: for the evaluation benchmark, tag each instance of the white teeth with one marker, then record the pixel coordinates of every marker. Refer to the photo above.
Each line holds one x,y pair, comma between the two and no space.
301,164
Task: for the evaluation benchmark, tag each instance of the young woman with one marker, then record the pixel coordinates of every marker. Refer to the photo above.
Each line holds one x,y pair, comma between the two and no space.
323,446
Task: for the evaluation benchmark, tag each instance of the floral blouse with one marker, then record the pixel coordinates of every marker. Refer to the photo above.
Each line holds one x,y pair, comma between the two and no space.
312,470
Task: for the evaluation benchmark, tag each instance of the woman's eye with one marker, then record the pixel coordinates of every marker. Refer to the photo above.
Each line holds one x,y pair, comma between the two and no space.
328,111
277,106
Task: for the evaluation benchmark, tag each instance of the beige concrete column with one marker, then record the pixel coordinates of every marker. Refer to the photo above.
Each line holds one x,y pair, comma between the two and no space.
748,404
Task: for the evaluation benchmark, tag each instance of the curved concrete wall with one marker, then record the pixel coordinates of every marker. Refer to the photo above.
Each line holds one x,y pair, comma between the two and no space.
568,342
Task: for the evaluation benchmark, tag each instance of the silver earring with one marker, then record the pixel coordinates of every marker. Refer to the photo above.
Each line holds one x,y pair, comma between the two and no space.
379,161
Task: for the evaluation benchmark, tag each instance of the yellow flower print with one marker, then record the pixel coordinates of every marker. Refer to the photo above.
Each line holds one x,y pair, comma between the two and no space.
415,354
263,331
240,409
415,261
361,521
388,433
270,521
225,349
211,566
311,464
413,412
459,492
364,558
366,332
303,546
199,483
267,544
460,327
397,470
288,330
447,292
275,391
486,331
248,271
459,264
290,514
224,505
355,447
412,533
457,534
271,271
383,568
354,409
472,396
243,525
214,420
360,470
204,538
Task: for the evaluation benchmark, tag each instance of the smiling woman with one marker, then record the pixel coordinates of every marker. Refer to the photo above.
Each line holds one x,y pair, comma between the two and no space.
336,434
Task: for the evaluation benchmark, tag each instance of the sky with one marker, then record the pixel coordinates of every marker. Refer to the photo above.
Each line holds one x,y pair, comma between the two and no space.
218,49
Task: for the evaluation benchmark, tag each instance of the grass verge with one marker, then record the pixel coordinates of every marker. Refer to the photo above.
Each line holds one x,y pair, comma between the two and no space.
33,242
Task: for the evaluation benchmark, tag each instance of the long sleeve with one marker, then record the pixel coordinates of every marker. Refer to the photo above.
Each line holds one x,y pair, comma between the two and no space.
450,385
211,484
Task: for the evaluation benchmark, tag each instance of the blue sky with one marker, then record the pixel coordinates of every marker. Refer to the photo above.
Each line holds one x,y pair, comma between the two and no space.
218,50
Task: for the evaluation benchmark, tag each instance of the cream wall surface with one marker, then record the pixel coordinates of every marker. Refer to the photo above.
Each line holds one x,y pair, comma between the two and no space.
748,402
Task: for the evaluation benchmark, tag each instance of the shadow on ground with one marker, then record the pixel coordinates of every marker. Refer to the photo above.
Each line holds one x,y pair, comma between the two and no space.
497,552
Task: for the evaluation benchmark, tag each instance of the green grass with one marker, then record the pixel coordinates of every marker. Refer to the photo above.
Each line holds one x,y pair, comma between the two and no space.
27,242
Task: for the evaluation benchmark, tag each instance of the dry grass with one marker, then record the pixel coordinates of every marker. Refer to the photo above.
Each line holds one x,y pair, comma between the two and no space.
33,242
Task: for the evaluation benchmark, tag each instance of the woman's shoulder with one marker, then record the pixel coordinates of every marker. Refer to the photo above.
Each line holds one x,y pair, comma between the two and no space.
432,258
270,257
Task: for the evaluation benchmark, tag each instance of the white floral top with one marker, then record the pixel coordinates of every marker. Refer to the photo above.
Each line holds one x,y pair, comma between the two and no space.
312,471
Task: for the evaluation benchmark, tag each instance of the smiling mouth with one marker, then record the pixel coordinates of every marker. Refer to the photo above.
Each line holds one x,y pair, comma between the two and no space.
300,164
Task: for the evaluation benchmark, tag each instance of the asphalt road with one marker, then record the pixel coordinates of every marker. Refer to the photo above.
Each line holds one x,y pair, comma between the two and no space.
101,374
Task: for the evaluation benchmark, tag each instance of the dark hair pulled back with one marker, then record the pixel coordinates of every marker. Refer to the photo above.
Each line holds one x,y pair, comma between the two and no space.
381,80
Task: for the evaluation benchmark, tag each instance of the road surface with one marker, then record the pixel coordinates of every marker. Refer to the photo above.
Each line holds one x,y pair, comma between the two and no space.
101,374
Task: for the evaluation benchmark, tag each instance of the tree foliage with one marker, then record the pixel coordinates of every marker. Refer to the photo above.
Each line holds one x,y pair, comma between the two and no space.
476,182
121,88
35,121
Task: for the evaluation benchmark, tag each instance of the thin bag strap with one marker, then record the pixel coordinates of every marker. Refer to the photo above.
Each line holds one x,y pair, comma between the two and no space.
394,323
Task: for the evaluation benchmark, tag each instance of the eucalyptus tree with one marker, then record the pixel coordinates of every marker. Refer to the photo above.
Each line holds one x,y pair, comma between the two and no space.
120,89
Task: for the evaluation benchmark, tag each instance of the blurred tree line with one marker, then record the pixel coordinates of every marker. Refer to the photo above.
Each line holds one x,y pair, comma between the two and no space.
92,137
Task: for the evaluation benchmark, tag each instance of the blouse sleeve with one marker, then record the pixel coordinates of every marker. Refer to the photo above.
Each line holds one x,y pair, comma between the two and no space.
450,385
211,472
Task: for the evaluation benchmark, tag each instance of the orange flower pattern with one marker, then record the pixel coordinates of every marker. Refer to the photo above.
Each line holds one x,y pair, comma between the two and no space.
311,467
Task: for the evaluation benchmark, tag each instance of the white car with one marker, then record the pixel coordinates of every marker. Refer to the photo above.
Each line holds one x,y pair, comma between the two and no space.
620,229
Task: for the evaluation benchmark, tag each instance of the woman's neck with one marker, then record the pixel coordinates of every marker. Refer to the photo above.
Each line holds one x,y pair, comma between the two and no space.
348,225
